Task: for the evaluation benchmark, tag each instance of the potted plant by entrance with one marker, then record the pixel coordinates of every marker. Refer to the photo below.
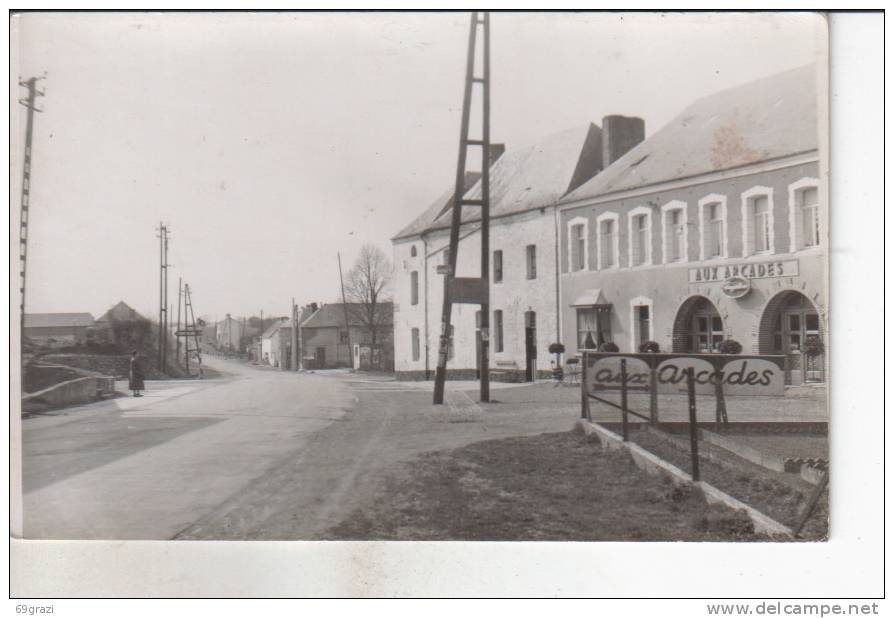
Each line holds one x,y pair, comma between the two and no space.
813,350
730,346
558,349
609,346
649,347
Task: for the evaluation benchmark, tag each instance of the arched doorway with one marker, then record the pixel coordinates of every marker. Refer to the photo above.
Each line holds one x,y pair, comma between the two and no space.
698,327
790,325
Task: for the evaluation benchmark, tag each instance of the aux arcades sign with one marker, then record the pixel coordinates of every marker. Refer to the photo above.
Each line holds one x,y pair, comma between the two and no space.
667,373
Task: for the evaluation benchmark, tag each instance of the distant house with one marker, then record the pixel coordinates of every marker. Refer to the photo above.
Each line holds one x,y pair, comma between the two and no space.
59,329
275,342
229,334
122,312
326,333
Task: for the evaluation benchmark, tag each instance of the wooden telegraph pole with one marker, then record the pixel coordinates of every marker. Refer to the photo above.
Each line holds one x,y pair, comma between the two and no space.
31,85
162,296
470,290
344,304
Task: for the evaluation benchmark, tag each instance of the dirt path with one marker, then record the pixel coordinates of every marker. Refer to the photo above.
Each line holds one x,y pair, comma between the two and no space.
345,465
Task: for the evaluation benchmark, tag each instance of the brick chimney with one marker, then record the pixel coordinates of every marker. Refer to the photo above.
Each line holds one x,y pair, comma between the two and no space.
496,151
619,135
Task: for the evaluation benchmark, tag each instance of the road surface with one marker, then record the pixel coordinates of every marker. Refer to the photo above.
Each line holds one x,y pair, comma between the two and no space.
152,467
259,454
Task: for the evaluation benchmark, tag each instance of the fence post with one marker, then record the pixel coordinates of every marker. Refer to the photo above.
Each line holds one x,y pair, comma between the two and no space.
584,408
653,394
625,429
721,417
693,423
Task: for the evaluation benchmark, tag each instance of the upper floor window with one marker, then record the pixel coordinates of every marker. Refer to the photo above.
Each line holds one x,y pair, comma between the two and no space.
804,218
640,234
712,224
531,261
577,244
757,221
414,287
498,331
413,251
675,232
498,266
608,239
809,205
761,213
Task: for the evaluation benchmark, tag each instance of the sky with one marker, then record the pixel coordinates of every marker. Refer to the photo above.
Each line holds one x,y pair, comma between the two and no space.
271,142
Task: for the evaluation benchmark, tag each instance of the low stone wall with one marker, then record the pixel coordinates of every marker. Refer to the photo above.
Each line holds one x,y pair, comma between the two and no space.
116,365
72,392
496,375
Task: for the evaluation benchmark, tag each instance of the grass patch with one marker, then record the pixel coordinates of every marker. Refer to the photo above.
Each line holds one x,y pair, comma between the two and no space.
551,487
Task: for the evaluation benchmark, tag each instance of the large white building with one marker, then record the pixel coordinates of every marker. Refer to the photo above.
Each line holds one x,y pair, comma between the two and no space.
526,184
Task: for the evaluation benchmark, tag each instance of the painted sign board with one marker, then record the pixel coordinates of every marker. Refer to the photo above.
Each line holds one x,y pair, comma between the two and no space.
467,290
746,270
762,375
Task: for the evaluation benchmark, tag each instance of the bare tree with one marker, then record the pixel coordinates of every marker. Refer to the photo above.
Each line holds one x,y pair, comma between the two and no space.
366,286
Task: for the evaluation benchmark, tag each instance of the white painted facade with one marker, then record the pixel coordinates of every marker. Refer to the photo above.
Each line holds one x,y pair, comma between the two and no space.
514,296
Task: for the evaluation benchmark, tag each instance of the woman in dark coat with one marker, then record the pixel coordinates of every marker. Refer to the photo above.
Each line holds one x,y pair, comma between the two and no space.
136,375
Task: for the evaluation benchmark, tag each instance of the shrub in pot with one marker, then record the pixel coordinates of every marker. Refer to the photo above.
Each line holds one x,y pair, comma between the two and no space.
730,346
609,346
650,347
557,349
813,346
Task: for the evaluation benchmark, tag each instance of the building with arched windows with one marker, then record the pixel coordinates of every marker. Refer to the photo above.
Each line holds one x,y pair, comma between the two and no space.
713,228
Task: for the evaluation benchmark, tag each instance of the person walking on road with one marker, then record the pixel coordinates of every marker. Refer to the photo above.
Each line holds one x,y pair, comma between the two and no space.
136,375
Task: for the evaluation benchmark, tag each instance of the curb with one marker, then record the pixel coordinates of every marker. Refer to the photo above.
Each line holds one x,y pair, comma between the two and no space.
656,466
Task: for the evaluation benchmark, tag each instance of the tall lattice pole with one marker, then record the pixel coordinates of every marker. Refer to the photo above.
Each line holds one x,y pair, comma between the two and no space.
470,290
162,295
28,102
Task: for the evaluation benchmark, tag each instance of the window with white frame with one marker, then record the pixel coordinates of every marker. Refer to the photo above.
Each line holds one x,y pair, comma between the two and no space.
808,203
639,222
577,244
804,219
607,224
757,221
760,211
712,224
675,232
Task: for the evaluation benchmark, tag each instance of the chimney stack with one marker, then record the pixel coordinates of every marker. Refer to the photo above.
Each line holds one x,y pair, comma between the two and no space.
619,135
496,151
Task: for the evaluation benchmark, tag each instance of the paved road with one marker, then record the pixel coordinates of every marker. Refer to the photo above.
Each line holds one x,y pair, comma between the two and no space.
154,467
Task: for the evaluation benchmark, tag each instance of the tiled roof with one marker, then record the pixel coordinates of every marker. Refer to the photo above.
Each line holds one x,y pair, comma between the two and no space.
526,178
333,315
121,312
57,320
424,221
762,120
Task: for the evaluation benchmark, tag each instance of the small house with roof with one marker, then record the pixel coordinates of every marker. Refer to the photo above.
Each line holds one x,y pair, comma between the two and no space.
59,329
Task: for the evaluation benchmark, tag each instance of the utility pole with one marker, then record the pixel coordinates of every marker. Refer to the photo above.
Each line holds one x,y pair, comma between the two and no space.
344,304
470,290
179,303
28,102
293,357
162,296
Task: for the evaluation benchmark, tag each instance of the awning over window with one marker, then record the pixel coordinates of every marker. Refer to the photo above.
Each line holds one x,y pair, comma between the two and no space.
590,298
